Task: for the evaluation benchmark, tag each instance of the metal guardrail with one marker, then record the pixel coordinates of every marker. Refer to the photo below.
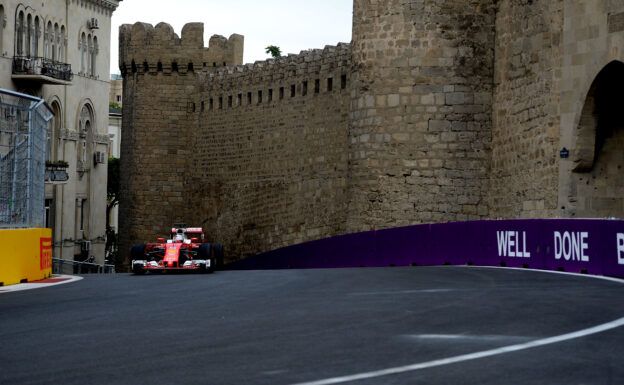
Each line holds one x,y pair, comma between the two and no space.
64,266
41,66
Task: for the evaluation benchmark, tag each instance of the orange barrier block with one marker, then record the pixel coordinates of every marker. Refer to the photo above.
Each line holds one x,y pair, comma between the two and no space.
25,255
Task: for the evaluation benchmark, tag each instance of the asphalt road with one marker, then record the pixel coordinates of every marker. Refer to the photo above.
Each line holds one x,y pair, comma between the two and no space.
290,326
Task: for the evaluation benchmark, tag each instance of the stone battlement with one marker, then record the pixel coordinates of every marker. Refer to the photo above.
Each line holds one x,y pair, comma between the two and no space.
310,72
145,48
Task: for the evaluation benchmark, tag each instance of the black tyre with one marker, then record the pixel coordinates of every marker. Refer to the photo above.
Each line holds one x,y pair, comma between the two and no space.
218,254
138,270
205,252
138,252
182,257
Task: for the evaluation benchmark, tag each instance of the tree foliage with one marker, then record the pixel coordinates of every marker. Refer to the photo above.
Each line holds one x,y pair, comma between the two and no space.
274,50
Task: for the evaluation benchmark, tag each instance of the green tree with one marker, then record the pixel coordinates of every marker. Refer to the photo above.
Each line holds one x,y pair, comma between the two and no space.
274,50
113,106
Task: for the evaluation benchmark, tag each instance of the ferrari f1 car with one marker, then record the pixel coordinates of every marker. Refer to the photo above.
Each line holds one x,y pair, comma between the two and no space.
186,250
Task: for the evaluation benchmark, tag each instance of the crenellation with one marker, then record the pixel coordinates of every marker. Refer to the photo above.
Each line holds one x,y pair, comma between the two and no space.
159,49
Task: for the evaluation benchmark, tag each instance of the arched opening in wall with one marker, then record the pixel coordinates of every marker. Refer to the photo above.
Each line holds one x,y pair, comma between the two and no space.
83,53
19,36
89,55
55,42
598,178
36,34
47,39
29,29
94,53
54,133
62,45
85,133
1,28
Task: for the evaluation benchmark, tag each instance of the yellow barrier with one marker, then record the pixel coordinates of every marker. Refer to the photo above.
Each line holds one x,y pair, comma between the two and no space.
25,255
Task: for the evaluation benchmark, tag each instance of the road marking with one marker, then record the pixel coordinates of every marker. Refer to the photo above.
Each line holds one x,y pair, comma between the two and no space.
486,353
58,279
470,338
398,292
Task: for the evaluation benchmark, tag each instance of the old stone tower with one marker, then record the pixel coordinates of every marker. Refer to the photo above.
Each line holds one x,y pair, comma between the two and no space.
438,110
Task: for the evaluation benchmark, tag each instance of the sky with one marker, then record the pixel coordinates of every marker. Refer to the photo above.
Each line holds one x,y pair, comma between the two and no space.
292,25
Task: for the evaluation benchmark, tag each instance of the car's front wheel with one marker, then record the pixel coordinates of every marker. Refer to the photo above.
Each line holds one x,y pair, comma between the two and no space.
205,253
138,253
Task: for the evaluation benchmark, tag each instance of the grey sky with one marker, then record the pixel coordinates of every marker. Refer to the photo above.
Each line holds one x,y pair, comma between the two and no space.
292,25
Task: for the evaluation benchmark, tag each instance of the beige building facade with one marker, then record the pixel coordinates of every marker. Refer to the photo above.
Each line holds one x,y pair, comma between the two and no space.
438,110
59,50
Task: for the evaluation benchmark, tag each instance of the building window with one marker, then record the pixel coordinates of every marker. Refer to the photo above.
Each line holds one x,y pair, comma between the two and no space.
118,98
83,214
54,132
62,43
85,129
47,40
83,53
49,213
35,39
29,27
55,41
19,44
1,26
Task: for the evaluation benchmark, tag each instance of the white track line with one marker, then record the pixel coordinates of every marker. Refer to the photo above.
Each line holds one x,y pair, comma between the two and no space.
37,285
486,353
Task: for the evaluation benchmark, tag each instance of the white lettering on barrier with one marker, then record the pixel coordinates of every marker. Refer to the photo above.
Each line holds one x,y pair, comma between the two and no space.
509,244
620,248
572,245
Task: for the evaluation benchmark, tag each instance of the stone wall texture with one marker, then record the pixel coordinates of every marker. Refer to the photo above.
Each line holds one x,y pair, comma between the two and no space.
438,110
421,102
525,112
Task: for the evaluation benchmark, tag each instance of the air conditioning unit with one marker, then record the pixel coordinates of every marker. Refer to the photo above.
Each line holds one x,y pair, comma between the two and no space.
85,245
99,157
92,23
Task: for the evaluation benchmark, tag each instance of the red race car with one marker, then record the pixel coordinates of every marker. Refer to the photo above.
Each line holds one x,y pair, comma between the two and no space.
184,251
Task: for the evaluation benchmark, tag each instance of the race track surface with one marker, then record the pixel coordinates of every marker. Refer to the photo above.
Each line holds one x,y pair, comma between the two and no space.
293,326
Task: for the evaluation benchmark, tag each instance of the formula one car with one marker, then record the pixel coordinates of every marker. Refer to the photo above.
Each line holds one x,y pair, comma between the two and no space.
186,250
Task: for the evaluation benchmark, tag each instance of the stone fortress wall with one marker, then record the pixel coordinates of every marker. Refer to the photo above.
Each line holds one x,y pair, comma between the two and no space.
270,155
421,112
438,110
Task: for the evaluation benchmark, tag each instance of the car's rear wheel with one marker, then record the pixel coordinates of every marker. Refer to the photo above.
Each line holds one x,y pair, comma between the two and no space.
218,255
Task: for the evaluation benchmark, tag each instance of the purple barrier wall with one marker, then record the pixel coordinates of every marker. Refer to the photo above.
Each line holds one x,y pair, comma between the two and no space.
573,245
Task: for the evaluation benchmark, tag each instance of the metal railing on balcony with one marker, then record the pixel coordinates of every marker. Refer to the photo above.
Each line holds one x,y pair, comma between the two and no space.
41,66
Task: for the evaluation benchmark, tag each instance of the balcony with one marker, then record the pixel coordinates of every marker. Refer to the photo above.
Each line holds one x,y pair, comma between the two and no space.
56,172
41,70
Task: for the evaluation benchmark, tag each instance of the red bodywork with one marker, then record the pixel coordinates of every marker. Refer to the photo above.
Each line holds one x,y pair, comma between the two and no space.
167,254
